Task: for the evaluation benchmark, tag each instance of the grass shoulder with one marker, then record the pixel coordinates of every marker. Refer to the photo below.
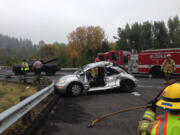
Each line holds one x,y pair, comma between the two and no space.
11,93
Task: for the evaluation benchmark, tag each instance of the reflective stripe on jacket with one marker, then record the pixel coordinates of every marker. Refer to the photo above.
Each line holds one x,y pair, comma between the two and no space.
24,66
168,66
147,122
167,124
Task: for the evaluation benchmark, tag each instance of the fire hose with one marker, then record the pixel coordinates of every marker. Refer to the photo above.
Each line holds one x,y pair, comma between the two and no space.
91,124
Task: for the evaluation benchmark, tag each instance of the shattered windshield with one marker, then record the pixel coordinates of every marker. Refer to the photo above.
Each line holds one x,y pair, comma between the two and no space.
119,68
81,69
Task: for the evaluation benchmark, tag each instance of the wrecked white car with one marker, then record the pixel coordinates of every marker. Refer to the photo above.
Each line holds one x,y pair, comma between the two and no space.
94,77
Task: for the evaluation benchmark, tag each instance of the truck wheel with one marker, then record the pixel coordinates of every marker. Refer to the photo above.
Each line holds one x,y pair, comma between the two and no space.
75,89
53,73
156,72
126,85
47,73
50,73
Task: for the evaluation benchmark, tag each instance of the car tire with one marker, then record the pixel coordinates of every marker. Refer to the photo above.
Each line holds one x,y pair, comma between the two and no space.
126,85
75,89
49,73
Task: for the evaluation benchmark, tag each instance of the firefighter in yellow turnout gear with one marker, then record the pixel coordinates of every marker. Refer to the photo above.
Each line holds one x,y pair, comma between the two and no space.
165,124
168,67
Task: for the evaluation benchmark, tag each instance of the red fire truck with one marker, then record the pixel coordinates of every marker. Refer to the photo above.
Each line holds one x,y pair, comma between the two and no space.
146,62
103,56
119,57
150,61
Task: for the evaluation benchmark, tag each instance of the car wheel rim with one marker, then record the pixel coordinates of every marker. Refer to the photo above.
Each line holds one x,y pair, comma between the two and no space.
76,90
127,86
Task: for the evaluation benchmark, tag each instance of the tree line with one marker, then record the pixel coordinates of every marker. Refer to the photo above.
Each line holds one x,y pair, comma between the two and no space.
148,35
86,41
12,49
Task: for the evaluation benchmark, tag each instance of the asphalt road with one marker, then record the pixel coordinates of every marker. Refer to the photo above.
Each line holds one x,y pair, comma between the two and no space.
72,114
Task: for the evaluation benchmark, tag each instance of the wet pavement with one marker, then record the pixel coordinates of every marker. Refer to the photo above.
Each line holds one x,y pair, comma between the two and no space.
72,114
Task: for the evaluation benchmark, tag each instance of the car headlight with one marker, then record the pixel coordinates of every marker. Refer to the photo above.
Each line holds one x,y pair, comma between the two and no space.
62,81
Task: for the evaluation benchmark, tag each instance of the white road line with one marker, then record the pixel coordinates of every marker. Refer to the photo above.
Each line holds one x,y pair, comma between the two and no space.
150,86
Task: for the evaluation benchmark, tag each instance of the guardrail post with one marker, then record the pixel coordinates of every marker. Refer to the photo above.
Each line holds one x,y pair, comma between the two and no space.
7,77
20,79
34,80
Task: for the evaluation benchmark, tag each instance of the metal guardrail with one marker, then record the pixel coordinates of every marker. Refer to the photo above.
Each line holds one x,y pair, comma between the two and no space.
10,116
5,68
69,69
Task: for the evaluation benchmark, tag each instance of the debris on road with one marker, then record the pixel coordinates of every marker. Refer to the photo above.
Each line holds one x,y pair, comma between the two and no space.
136,93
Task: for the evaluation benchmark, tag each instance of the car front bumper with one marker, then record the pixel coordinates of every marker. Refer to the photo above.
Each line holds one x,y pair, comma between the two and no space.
61,88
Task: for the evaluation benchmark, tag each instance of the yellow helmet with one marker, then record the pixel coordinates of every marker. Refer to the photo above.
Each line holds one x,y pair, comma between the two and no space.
171,97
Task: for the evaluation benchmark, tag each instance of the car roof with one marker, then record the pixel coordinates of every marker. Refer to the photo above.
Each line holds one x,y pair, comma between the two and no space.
98,64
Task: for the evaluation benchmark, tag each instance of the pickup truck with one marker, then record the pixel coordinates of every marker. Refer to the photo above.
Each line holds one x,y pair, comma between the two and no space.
49,69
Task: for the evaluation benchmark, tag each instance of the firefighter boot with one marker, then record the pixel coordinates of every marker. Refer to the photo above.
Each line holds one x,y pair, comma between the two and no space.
165,82
168,82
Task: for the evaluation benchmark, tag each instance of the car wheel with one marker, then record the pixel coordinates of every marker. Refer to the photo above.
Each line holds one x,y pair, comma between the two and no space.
53,73
126,85
75,89
48,73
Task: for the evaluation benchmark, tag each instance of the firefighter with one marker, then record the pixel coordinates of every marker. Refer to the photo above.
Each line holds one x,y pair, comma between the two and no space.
95,73
97,59
24,69
168,67
167,123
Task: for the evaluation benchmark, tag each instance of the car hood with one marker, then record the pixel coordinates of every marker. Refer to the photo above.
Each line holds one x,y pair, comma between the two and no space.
69,76
67,79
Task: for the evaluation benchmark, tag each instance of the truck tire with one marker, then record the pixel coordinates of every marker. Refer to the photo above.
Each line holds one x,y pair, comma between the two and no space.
156,72
48,73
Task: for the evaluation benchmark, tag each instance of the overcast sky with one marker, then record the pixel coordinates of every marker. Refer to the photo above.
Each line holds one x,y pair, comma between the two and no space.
53,20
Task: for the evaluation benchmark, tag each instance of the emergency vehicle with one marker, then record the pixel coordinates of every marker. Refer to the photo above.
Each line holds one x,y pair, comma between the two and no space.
103,56
146,62
133,63
119,57
150,61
